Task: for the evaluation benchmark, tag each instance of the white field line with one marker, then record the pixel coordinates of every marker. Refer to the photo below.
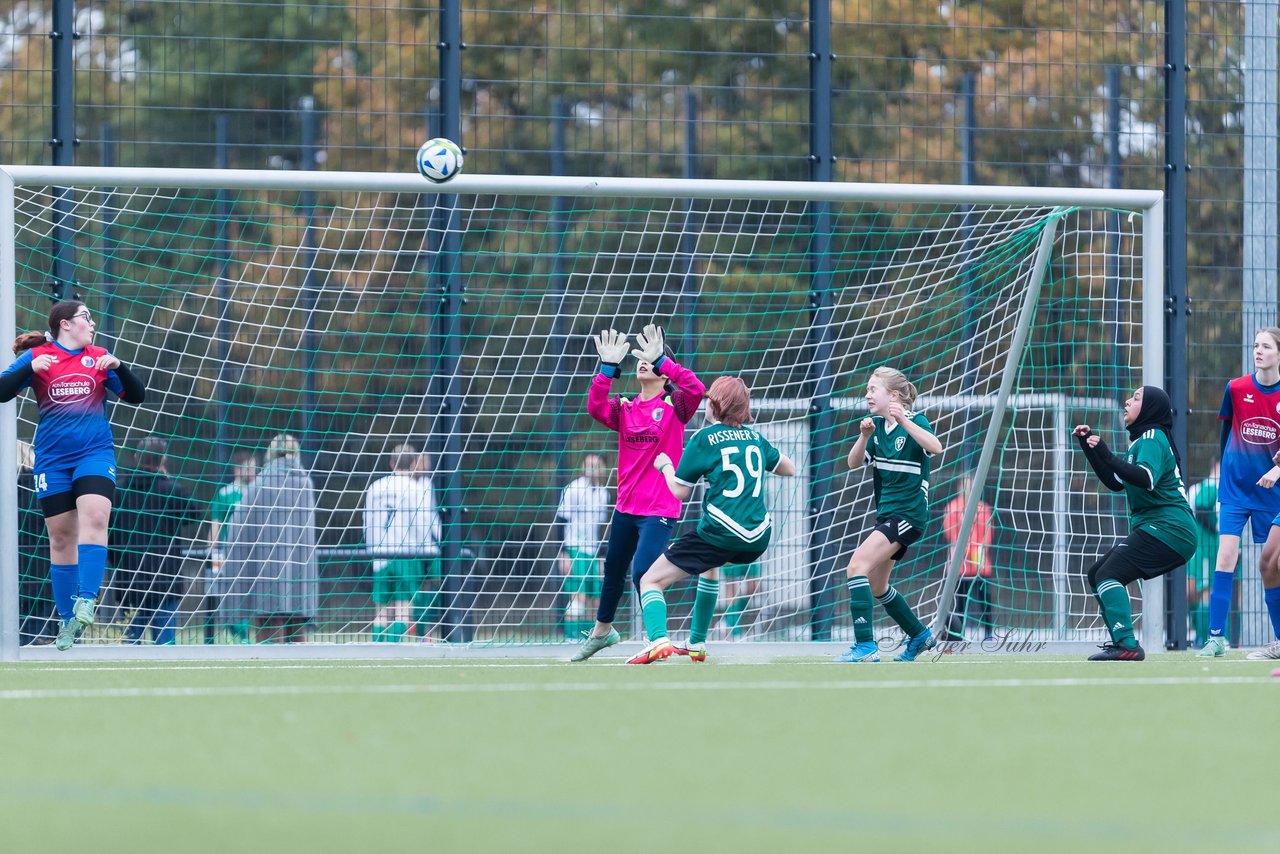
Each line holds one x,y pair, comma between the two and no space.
19,694
454,664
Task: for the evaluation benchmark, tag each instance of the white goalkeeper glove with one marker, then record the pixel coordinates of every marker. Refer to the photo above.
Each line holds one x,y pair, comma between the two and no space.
650,345
612,347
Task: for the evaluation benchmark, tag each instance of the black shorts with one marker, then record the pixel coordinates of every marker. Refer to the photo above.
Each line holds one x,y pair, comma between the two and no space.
695,555
1138,557
65,502
900,531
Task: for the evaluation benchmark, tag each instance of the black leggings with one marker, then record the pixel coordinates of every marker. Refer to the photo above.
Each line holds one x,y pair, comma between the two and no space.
635,542
1137,556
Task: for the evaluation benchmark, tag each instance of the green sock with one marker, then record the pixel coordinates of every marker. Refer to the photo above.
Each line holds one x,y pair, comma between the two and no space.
895,605
704,608
654,608
733,614
395,632
379,634
1117,611
860,608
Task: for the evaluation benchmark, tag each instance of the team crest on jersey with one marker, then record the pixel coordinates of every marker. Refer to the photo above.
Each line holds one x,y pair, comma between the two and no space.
1259,431
72,388
657,415
899,443
87,361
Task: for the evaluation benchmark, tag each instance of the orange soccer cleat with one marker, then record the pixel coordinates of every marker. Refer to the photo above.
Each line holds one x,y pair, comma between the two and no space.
656,651
697,652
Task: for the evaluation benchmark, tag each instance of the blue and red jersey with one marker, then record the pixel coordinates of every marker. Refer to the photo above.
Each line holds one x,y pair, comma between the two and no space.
71,397
1254,412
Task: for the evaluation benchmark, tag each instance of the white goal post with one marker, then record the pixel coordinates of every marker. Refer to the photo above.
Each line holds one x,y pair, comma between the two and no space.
363,311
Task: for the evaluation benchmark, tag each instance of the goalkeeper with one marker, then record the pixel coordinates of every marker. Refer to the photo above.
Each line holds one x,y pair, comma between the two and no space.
75,470
1162,529
646,512
735,526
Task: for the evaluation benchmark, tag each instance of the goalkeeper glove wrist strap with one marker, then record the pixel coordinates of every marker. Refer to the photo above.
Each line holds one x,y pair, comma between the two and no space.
609,369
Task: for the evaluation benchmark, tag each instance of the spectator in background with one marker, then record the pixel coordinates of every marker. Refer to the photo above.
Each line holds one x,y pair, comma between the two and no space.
1204,503
583,512
975,570
244,470
145,548
270,567
35,598
400,519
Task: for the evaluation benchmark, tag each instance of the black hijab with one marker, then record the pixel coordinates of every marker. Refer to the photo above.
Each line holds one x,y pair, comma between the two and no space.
1156,413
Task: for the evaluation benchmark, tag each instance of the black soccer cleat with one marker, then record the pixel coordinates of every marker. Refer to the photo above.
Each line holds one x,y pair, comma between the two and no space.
1116,652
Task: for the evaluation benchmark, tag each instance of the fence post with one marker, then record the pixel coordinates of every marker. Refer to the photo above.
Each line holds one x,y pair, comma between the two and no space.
822,511
457,571
63,143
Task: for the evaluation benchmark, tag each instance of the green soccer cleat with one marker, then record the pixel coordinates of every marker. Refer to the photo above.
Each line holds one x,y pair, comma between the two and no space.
592,645
67,632
83,611
914,646
1215,647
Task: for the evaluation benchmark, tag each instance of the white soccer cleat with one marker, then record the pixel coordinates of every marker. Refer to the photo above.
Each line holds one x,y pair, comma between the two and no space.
1270,652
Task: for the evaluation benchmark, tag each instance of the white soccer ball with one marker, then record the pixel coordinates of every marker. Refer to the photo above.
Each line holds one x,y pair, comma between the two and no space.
439,159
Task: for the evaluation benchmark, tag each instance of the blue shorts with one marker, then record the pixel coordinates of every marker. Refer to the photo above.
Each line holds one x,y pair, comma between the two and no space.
1231,519
57,481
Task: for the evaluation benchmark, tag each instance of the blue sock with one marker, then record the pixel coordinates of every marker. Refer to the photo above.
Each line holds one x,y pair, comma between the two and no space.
1272,597
1220,602
93,565
64,577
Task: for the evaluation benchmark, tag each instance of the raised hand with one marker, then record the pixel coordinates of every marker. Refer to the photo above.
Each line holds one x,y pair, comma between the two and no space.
866,426
611,345
649,343
43,362
107,362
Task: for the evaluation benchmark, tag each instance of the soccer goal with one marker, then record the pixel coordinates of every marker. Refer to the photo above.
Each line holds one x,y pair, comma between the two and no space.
356,314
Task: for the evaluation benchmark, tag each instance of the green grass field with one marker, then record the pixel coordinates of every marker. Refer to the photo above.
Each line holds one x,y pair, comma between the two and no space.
964,754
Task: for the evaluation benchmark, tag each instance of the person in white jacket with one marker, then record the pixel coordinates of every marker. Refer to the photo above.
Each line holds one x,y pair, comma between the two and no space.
402,535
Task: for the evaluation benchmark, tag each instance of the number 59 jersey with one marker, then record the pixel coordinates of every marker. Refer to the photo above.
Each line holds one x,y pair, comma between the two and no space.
733,460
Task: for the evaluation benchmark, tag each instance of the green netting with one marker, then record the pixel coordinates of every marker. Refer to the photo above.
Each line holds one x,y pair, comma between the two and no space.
330,318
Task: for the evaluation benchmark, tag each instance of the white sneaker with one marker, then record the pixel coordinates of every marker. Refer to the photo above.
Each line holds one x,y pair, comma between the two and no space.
1270,652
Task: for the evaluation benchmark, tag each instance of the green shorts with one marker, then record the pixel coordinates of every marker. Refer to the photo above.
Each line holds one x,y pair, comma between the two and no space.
739,571
400,579
584,573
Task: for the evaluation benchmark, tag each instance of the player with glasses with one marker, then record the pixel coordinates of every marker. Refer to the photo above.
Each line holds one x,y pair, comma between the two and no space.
75,465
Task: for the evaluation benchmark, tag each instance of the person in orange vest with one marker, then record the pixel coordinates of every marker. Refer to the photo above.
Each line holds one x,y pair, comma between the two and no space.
975,570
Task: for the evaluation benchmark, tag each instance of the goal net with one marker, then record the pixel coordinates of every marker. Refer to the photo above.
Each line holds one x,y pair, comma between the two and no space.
339,325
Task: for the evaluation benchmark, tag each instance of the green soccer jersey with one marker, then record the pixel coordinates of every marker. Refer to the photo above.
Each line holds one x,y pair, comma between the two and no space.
733,460
1163,511
900,470
223,505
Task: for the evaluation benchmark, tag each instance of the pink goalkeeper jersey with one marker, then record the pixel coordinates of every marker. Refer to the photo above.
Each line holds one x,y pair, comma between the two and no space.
645,429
